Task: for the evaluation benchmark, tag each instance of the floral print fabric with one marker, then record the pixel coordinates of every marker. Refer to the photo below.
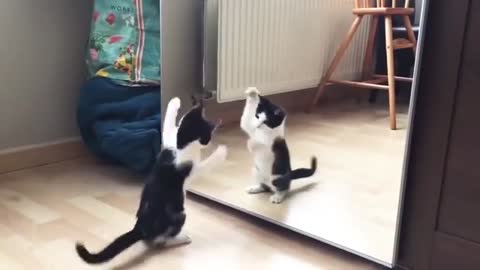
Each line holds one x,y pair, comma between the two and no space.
124,42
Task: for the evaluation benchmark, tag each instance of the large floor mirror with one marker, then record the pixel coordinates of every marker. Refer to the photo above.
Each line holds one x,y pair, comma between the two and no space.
366,55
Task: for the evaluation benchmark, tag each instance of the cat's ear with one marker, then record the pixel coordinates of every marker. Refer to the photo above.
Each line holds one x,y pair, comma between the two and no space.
197,101
279,112
185,168
194,100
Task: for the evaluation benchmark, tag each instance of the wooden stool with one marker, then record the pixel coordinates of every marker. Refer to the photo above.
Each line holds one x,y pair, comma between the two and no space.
370,80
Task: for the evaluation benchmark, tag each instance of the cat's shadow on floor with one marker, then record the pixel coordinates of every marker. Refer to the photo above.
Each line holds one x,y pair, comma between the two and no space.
144,256
305,188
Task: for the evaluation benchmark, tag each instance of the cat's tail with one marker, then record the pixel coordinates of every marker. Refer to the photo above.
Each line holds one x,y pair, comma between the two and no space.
304,172
120,244
296,174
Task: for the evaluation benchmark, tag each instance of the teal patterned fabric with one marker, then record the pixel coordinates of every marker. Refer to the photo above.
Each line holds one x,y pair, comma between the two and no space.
124,41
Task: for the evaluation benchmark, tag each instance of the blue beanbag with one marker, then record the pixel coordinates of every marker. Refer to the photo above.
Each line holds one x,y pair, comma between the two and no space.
121,123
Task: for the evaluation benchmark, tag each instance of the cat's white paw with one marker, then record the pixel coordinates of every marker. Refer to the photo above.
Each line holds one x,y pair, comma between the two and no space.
277,198
221,152
175,103
183,239
179,240
256,189
252,92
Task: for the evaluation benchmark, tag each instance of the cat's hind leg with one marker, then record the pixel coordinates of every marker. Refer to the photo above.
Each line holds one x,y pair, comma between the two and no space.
281,185
166,242
260,185
278,196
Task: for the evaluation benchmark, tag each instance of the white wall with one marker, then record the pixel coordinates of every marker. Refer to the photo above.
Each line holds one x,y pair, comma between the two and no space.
210,44
41,69
181,44
418,11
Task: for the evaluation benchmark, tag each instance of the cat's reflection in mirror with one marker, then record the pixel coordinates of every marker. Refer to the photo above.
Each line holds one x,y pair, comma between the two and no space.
264,123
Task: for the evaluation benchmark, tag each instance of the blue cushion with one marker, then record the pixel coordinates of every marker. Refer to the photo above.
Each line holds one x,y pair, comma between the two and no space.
120,123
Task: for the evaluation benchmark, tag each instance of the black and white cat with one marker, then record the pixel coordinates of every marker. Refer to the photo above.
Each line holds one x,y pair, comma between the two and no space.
161,214
264,123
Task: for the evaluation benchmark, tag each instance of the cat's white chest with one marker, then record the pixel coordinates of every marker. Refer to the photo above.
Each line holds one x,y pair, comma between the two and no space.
265,136
190,153
261,148
263,158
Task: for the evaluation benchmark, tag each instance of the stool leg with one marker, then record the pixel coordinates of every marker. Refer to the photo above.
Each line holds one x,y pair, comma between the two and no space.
411,35
336,60
368,60
390,71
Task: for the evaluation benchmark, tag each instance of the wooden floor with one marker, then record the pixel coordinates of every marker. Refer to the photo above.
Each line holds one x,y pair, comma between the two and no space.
352,200
44,210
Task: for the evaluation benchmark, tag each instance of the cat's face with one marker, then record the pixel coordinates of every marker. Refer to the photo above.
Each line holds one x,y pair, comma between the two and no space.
194,127
274,115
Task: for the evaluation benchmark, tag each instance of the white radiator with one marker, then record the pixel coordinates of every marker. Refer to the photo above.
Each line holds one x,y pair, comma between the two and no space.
278,45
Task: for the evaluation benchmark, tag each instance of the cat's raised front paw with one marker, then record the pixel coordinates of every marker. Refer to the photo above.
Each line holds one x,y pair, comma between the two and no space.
175,103
252,92
221,152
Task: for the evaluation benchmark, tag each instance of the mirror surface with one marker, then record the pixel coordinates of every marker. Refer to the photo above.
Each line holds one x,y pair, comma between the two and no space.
353,200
